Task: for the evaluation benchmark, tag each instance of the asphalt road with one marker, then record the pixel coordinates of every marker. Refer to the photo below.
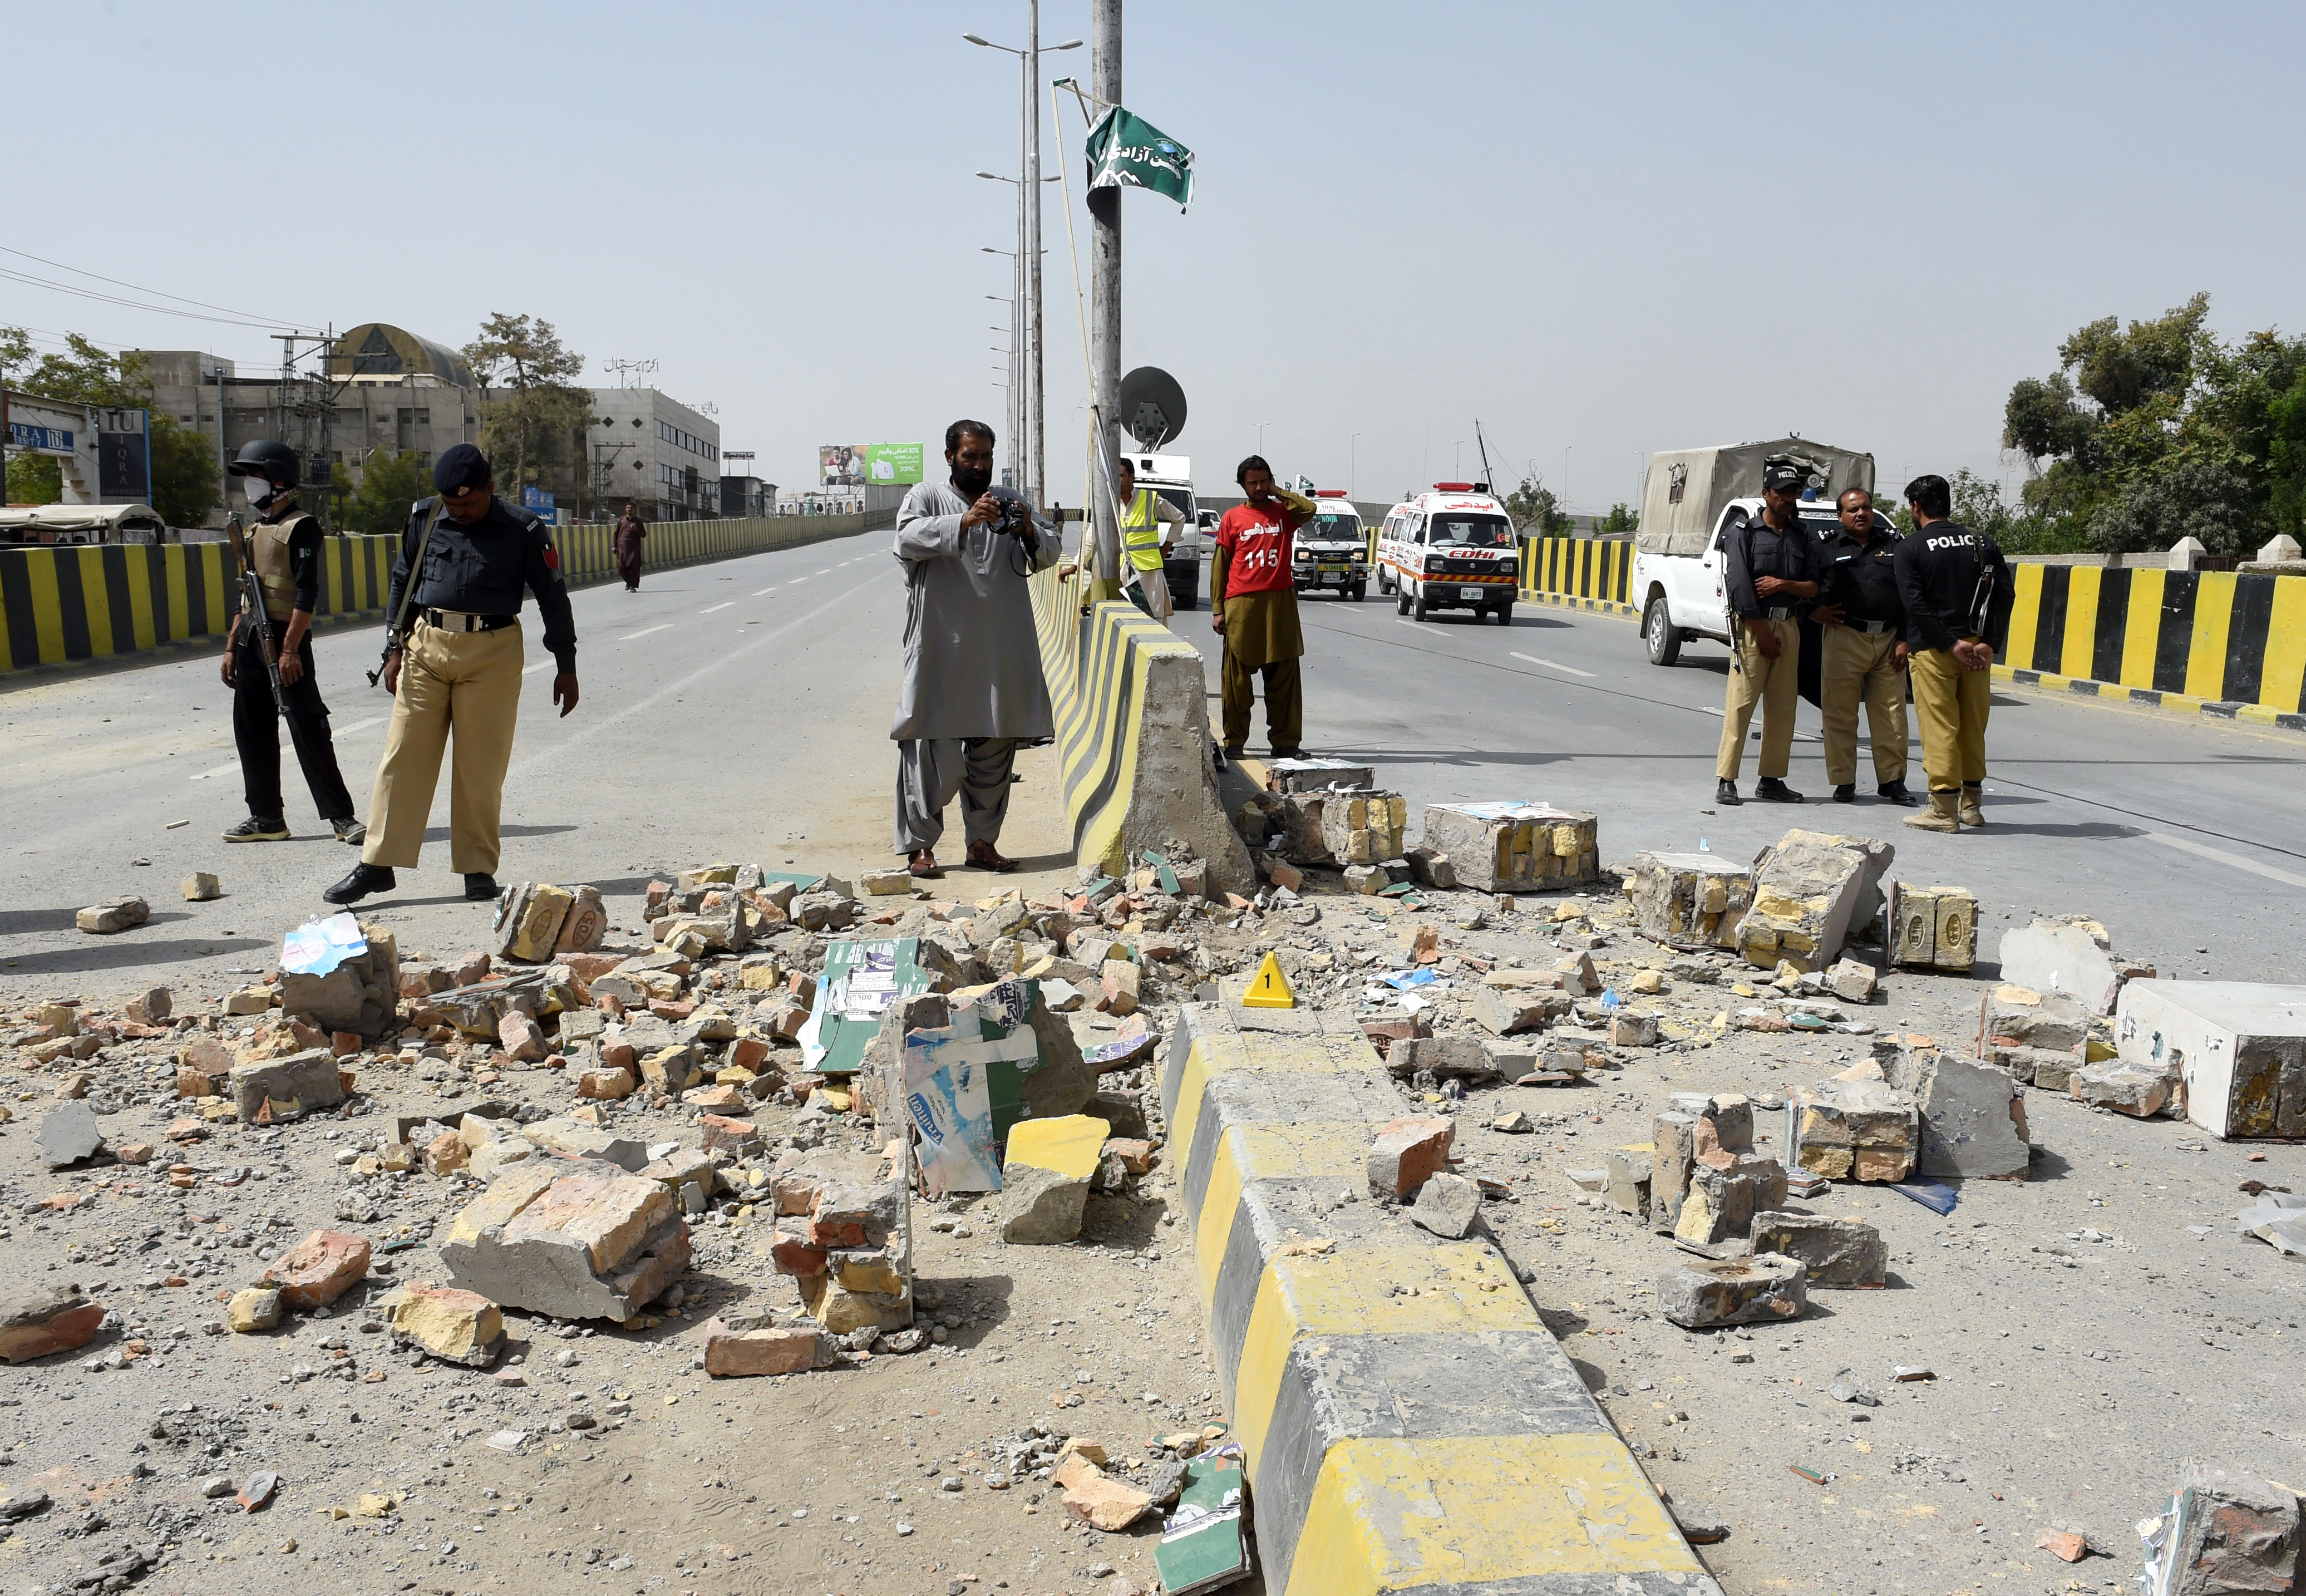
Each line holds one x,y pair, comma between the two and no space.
732,711
2187,839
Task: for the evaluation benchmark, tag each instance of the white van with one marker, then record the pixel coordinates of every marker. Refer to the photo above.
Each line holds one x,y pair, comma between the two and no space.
1451,549
1333,548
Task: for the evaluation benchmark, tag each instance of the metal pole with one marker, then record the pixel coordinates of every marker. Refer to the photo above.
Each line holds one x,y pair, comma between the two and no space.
1104,307
1017,461
1029,198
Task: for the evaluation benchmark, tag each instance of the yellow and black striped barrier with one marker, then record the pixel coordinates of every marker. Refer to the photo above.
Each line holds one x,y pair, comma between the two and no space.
1580,573
1409,1422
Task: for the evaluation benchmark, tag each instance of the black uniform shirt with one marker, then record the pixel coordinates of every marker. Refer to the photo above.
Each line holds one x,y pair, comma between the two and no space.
1861,577
481,569
1939,568
1756,549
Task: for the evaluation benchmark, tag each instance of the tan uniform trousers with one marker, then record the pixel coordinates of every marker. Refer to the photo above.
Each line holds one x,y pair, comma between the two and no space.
1950,704
1854,668
1774,684
468,682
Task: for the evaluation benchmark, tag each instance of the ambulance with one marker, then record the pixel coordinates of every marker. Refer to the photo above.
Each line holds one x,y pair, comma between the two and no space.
1451,549
1333,548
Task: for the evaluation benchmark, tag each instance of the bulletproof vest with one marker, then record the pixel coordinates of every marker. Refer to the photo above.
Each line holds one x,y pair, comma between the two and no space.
268,557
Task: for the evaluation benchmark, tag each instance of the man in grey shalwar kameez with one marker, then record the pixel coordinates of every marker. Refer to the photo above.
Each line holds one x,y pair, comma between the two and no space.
973,688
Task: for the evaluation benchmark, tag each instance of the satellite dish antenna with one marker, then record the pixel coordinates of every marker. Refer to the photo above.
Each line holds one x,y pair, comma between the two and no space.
1152,407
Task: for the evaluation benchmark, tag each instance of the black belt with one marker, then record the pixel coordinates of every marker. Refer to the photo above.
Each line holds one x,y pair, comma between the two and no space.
1777,615
1875,627
458,620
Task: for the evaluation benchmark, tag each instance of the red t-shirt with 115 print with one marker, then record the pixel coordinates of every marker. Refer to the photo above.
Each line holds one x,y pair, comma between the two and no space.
1256,545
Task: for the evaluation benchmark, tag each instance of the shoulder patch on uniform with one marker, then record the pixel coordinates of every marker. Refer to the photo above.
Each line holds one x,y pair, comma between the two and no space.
551,556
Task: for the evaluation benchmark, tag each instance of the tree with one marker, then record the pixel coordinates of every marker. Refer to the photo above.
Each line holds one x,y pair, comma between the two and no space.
524,356
16,353
185,486
2159,432
1535,511
1620,521
388,485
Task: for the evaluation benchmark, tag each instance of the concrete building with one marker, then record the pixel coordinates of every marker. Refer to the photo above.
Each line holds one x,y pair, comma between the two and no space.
655,452
748,496
378,388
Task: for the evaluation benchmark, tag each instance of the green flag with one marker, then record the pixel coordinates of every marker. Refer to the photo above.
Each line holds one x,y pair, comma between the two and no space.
1126,151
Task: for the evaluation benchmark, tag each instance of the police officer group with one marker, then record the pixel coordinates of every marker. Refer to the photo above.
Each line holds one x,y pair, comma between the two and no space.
1933,606
452,663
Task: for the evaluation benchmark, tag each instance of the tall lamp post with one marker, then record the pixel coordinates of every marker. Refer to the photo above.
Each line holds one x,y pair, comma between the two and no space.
1352,463
1035,480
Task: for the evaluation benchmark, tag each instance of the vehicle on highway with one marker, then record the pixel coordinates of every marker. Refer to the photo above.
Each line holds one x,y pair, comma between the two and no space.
1696,498
1453,548
1171,477
70,524
1333,548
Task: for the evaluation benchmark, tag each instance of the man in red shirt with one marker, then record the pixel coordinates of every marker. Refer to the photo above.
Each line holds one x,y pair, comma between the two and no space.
1254,596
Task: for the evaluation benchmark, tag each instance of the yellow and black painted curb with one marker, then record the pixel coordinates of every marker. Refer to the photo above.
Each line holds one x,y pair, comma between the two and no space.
1409,1422
2178,704
1592,569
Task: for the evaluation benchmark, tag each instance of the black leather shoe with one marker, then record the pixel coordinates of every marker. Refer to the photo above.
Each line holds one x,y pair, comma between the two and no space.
1725,791
1771,790
1846,793
1232,750
1894,792
478,886
364,880
1289,753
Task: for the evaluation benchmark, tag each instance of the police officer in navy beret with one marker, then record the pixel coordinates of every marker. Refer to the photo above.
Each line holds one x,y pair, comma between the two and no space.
456,666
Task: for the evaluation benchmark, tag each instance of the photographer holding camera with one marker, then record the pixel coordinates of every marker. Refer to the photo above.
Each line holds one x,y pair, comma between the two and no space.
973,688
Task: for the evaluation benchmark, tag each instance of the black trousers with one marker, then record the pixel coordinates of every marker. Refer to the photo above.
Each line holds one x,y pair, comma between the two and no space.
256,728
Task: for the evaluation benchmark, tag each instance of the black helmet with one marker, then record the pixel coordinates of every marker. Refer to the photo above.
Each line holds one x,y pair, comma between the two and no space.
267,458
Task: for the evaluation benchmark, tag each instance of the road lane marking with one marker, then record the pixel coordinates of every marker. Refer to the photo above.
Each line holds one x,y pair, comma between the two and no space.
1551,665
533,669
827,571
645,631
716,609
222,770
763,592
2201,852
362,725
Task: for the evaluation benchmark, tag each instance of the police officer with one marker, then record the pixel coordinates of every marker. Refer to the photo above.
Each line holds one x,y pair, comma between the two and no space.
459,665
1862,650
1144,514
284,550
1769,564
1956,590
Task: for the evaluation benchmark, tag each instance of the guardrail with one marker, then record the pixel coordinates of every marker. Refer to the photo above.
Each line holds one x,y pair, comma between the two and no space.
1589,573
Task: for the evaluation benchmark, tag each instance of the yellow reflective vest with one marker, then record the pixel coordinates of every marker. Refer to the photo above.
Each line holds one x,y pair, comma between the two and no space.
1140,532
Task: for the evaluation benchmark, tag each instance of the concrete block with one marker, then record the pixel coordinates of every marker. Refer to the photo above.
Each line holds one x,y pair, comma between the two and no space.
573,1139
2064,956
68,1133
1629,1029
1515,847
1689,900
670,1070
1514,1012
2142,1091
444,1322
1725,1123
1458,1055
1429,867
1409,1151
843,1311
38,1318
1673,1148
578,1246
528,921
1932,928
1972,1116
1850,981
1810,890
1723,1199
792,1349
522,1042
1317,775
605,1086
114,914
1447,1204
319,1269
1045,1177
583,925
2240,1049
152,1006
286,1087
360,994
1838,1254
1626,1179
2226,1532
1577,974
1852,1131
253,1310
2021,1017
201,887
1766,1288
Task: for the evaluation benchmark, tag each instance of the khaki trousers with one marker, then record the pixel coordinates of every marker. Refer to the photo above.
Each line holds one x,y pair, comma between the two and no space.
1854,668
1285,700
1774,684
465,681
1952,704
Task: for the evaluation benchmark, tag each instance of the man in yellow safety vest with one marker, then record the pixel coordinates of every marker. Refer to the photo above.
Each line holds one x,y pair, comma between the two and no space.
1143,543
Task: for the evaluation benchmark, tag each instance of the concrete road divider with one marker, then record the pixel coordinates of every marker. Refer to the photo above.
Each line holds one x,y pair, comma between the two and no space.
1409,1423
1131,708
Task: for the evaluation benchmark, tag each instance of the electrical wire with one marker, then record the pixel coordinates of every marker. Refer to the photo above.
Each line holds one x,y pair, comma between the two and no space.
261,319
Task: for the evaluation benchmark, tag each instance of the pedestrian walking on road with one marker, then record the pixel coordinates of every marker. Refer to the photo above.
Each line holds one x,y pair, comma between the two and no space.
1769,564
1253,591
455,665
632,532
974,693
1144,513
1862,650
1956,589
284,551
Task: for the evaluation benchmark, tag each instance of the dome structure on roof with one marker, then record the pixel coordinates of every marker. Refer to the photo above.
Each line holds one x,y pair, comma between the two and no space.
378,352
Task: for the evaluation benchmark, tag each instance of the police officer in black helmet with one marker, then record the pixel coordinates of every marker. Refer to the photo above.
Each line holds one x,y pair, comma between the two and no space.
284,550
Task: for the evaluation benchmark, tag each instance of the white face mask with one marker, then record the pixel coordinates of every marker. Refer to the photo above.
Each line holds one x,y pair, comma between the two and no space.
258,489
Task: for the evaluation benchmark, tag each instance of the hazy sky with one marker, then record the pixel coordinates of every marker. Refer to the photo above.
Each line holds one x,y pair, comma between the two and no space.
1604,229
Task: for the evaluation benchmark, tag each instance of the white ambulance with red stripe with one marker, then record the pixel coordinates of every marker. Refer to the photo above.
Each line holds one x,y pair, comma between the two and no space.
1451,549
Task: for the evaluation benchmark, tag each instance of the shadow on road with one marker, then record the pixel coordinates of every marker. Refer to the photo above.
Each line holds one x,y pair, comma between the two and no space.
119,952
20,922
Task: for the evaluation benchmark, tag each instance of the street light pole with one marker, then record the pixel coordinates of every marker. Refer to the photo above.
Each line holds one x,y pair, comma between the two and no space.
1105,301
1353,461
1016,323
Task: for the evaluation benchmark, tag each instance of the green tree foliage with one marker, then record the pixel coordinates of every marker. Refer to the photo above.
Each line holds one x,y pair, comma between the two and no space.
539,415
1535,511
1620,521
388,485
184,485
2160,431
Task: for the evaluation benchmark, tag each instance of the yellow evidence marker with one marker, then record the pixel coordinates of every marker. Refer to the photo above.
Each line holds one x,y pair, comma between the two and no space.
1270,989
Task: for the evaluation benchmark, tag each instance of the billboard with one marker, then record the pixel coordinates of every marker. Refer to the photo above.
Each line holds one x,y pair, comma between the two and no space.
123,457
856,464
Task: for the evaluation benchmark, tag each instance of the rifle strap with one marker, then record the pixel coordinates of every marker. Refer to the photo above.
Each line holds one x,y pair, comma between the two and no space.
416,575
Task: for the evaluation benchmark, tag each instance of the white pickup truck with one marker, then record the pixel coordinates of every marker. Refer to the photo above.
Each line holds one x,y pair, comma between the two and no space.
1692,499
